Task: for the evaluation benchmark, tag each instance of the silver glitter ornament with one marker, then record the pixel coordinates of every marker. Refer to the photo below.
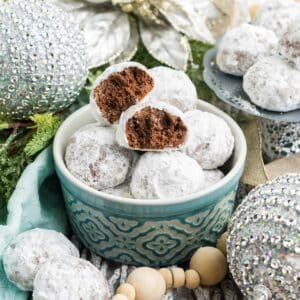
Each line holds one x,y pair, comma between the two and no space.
264,240
43,59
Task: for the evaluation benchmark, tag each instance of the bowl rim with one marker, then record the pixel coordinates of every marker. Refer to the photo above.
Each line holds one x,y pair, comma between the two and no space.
240,142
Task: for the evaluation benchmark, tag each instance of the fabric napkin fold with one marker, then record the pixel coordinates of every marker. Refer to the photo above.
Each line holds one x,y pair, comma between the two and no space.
36,202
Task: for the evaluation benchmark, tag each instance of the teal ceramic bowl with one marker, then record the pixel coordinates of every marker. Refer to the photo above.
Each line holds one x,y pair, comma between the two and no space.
148,232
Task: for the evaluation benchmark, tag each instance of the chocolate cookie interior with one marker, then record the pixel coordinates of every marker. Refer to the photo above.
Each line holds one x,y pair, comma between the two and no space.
151,128
122,90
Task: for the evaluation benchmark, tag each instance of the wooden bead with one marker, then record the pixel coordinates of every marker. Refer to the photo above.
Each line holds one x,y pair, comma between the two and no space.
192,279
127,290
178,277
119,297
222,242
211,265
148,283
168,277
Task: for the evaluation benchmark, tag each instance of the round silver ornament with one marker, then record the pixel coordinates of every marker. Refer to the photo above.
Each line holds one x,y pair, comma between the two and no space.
264,241
43,59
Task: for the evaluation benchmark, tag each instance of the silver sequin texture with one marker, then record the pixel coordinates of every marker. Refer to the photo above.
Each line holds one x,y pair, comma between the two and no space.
264,239
43,59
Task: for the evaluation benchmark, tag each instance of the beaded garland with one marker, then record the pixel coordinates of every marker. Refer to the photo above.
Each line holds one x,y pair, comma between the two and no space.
207,266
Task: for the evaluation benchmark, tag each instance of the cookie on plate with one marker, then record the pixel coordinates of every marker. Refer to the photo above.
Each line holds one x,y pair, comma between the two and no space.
242,46
273,84
289,46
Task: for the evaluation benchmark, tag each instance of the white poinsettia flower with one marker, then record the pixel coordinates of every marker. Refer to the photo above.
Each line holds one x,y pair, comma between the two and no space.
164,25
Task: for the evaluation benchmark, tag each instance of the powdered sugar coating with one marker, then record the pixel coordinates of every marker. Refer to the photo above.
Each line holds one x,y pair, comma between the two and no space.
211,177
96,112
289,46
121,134
93,156
242,46
173,87
279,19
273,84
272,4
122,190
70,278
211,142
23,257
165,175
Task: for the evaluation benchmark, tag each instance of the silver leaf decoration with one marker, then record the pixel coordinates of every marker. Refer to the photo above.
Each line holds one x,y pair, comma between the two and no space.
106,30
69,5
97,1
226,6
132,46
166,45
215,19
237,10
186,18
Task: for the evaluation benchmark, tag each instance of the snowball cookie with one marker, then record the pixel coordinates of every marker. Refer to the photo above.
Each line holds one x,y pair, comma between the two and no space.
93,156
278,20
117,88
211,177
23,257
242,46
289,46
211,142
165,175
152,126
273,84
69,278
173,87
266,5
122,190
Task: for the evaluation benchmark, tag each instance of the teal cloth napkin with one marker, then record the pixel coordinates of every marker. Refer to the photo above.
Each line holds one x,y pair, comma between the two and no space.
36,202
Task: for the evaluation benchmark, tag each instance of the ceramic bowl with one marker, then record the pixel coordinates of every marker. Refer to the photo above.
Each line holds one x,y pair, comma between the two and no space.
148,232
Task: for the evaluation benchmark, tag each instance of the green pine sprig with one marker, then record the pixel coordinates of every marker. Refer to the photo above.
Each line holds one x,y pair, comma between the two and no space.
20,142
45,126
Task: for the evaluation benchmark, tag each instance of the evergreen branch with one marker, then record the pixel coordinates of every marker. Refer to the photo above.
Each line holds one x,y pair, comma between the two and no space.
5,146
12,163
4,125
45,127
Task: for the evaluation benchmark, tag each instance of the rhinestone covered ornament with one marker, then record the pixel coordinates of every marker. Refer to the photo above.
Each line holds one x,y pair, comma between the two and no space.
263,243
43,59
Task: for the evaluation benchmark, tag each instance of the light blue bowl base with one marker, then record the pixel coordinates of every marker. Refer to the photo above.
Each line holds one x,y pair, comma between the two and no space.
155,242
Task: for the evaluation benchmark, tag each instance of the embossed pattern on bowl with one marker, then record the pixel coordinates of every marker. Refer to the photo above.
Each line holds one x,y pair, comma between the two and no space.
148,232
